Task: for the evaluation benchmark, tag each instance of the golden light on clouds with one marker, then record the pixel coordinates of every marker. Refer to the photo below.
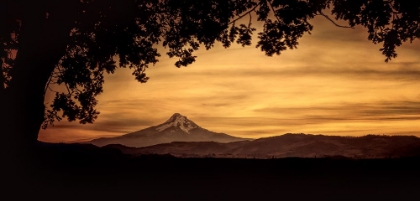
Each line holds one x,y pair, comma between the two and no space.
335,83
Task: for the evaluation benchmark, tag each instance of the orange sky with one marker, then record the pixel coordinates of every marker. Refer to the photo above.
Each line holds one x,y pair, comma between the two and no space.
335,83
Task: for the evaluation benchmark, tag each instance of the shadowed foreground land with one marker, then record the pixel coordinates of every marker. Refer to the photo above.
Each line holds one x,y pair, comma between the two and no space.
84,172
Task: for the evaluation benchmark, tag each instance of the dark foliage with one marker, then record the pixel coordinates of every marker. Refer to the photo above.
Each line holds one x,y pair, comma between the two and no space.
73,43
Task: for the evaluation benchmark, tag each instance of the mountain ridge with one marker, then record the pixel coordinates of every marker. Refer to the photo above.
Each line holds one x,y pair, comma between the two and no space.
290,145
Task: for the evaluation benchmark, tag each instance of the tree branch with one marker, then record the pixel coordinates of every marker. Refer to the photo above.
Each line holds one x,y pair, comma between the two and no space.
243,15
337,25
272,9
250,20
65,84
47,86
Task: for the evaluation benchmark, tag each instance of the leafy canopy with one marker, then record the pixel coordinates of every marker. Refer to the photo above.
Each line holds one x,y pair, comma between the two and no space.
130,30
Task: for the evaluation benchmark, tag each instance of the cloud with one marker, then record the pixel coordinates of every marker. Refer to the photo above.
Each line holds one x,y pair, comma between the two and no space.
319,71
335,82
377,111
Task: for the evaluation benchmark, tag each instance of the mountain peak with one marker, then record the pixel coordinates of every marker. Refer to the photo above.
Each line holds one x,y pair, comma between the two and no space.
177,121
176,116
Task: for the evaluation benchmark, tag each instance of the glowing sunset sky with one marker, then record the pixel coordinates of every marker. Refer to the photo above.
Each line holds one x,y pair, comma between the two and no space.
335,83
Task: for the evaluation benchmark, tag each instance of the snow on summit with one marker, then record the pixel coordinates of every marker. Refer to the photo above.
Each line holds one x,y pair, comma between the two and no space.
177,121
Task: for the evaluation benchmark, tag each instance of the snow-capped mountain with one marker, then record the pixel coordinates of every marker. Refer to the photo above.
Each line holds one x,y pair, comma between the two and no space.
177,121
177,128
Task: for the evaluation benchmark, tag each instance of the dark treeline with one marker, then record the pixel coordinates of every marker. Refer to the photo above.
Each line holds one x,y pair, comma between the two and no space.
86,171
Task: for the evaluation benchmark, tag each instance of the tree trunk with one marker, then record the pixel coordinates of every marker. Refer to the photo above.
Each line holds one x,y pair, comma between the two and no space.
23,104
42,42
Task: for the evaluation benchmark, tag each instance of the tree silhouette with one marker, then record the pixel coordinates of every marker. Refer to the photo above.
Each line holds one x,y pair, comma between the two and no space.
74,42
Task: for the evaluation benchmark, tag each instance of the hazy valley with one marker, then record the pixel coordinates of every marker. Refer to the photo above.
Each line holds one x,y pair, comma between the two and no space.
181,137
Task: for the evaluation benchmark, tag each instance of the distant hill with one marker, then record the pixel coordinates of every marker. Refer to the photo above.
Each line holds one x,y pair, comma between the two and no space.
176,128
290,145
